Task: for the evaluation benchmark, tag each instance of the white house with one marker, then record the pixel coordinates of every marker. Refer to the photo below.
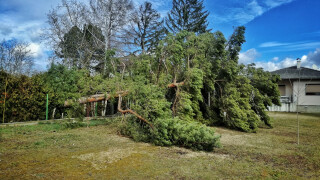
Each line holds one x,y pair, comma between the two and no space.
299,89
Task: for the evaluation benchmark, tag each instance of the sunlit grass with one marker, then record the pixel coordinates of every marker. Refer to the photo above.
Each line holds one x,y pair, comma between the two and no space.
96,151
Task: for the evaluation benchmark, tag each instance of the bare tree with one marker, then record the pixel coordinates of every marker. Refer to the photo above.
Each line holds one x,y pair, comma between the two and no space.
112,17
146,28
15,57
62,18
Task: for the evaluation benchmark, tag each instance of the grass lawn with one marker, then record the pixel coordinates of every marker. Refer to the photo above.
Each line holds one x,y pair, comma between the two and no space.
51,151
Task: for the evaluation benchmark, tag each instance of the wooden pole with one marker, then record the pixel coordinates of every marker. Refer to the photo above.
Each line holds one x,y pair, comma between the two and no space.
47,107
5,97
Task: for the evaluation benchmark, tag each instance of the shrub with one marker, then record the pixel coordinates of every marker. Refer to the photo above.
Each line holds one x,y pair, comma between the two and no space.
173,131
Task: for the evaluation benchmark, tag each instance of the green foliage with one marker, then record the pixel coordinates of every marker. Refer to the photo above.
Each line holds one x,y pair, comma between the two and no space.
26,97
148,100
187,15
173,131
75,111
62,84
235,103
266,91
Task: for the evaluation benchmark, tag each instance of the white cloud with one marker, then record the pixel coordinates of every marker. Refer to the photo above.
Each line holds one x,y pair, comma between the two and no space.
292,46
248,57
268,66
240,15
247,11
35,50
276,3
313,58
273,44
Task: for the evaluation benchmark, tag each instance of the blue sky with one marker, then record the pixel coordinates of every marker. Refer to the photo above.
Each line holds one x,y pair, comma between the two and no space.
278,31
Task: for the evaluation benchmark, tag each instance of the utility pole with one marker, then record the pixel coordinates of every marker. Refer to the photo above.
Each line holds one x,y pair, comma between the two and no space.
297,105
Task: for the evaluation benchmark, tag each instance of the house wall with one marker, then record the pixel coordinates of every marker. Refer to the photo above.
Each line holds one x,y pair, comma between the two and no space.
306,103
305,100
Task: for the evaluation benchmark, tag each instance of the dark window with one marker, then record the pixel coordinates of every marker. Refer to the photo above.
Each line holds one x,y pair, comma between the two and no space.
282,89
313,89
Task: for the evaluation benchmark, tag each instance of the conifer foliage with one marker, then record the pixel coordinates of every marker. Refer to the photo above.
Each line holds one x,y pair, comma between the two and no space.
188,15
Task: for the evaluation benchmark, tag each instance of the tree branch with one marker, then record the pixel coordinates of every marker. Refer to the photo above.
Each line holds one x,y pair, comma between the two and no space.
132,112
174,84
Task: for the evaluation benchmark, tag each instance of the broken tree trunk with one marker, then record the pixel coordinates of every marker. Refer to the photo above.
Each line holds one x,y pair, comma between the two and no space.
132,112
95,98
174,84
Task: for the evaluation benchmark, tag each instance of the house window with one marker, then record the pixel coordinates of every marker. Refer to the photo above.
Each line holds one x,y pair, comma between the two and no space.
282,89
313,89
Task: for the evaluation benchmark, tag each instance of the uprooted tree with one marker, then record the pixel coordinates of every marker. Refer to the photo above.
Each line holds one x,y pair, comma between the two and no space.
191,80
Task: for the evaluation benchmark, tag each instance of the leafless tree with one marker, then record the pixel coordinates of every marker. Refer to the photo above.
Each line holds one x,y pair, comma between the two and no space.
15,57
146,28
62,18
112,17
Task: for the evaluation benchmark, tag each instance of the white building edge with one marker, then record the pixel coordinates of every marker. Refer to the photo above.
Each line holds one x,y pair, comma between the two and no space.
299,89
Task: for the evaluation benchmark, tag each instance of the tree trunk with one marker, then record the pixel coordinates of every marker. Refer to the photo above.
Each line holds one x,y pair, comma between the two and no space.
209,99
53,113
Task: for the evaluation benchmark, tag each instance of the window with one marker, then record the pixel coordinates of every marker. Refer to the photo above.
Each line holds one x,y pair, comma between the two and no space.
282,89
313,89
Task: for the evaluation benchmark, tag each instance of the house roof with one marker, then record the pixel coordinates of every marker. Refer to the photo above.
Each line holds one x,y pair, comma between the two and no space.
294,73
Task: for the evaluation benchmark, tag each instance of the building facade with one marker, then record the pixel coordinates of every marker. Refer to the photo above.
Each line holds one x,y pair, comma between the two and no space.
299,90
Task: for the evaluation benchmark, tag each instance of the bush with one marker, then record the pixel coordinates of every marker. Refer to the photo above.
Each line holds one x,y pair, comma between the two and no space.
174,131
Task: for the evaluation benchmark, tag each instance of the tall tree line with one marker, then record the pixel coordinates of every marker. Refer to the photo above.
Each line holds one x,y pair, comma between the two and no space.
118,26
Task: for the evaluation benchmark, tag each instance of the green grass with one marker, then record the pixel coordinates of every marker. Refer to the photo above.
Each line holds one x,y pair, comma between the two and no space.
96,151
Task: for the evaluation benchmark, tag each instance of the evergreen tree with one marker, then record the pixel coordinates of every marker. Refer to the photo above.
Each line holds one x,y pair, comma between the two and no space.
82,48
187,15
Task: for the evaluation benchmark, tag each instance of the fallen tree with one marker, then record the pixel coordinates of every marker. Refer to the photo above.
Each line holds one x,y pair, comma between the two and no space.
96,98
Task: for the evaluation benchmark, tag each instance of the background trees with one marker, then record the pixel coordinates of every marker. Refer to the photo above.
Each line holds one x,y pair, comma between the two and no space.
83,49
188,15
111,16
187,75
146,28
15,57
25,97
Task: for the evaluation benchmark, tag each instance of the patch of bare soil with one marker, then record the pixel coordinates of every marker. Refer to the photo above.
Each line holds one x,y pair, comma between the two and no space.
102,159
177,152
228,139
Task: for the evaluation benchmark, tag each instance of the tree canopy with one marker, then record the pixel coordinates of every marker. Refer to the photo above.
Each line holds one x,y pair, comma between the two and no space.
188,15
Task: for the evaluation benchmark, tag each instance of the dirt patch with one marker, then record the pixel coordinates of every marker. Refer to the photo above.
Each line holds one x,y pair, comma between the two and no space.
177,152
102,159
239,140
